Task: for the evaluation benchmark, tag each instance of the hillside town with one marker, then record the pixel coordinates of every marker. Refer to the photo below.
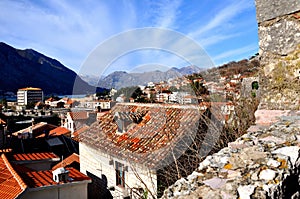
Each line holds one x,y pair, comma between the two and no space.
49,144
231,131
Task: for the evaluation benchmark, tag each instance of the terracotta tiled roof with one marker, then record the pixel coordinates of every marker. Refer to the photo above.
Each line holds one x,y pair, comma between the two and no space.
69,102
151,131
216,111
79,115
11,185
59,131
68,161
78,132
51,99
20,168
8,150
37,129
30,89
2,121
39,103
36,179
101,114
34,156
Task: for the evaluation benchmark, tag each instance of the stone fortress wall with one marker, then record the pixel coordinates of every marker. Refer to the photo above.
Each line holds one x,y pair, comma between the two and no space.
278,26
265,162
248,89
279,50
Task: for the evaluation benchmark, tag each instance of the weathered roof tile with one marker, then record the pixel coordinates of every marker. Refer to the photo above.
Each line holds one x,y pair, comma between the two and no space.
149,130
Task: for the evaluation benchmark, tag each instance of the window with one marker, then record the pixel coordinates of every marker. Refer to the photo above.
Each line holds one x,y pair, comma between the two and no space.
120,175
255,85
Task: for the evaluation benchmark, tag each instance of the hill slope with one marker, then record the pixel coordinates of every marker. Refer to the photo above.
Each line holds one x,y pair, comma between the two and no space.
24,68
121,79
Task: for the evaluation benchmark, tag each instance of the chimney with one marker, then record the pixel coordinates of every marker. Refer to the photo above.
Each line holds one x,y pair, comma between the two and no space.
60,175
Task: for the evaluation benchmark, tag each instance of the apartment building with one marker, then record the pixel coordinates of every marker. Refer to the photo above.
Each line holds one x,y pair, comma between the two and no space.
29,95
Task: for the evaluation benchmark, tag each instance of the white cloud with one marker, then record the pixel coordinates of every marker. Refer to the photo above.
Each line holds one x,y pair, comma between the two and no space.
164,13
236,52
222,17
69,30
62,30
214,39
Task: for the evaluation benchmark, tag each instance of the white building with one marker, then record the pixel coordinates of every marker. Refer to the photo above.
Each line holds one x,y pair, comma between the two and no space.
97,104
29,95
126,147
75,120
24,183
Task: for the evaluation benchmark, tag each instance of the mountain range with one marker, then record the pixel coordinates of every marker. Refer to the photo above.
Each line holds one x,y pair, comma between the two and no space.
29,68
119,79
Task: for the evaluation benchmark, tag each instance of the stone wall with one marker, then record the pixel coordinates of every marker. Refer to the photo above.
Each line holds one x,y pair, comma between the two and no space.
247,87
279,50
278,26
265,162
270,9
260,164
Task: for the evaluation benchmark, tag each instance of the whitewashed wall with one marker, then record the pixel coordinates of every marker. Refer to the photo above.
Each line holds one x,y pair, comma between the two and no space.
97,163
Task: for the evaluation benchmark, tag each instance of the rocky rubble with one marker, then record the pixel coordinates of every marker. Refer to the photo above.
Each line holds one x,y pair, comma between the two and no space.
260,164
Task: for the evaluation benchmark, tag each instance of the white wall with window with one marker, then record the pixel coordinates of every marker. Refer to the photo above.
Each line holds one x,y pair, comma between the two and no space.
126,179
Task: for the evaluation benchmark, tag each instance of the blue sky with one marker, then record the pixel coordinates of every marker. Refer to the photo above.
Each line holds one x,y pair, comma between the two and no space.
70,31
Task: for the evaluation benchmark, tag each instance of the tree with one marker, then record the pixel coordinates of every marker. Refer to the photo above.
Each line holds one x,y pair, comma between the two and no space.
3,102
137,93
103,93
173,89
126,91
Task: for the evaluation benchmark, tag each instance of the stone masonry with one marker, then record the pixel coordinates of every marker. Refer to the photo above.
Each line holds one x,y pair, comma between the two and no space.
279,50
278,26
264,162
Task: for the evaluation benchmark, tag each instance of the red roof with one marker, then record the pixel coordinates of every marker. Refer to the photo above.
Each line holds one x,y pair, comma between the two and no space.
8,150
39,103
151,129
2,121
36,179
59,131
21,169
30,89
11,185
69,101
78,132
37,129
79,115
51,99
68,161
34,156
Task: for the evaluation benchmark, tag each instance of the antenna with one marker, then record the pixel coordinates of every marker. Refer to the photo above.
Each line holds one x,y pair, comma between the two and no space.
62,161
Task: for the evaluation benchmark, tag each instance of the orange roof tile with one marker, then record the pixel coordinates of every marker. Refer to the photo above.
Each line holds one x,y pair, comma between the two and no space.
51,99
79,115
68,161
151,129
70,101
78,132
34,156
37,129
59,131
8,150
40,103
20,168
2,121
36,179
30,89
11,185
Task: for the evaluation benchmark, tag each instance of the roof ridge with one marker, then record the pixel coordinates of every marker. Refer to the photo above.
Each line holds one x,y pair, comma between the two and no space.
67,160
14,173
